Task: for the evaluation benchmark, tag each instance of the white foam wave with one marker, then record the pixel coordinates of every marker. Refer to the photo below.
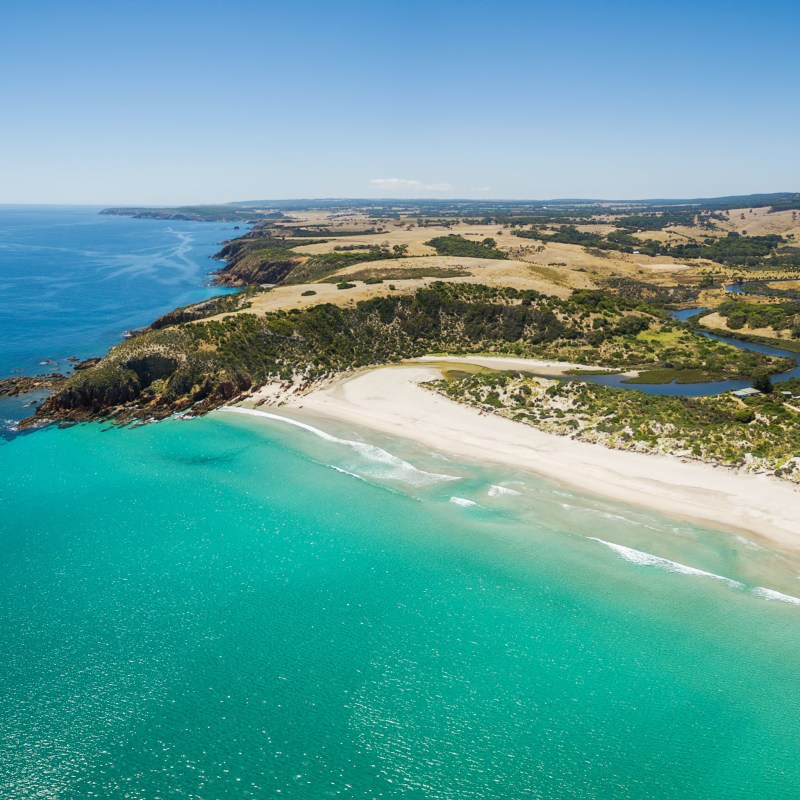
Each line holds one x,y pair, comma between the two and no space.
771,594
346,472
495,490
462,501
379,462
649,560
609,515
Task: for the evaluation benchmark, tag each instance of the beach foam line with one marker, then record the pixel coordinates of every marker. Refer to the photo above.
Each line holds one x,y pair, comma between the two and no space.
649,560
385,465
771,594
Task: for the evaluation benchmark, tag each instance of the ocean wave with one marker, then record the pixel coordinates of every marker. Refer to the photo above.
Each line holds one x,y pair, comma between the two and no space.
379,462
771,594
649,560
495,490
9,427
462,501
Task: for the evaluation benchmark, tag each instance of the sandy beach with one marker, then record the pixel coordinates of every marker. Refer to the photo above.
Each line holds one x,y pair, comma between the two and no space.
390,400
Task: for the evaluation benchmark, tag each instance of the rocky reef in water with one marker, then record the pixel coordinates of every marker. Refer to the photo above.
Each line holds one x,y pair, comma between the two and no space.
24,384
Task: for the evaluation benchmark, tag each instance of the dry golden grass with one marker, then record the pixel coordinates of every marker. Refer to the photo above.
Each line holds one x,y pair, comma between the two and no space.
284,298
547,267
789,285
759,222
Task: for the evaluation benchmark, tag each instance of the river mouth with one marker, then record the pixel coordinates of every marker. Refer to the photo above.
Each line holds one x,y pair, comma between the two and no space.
702,388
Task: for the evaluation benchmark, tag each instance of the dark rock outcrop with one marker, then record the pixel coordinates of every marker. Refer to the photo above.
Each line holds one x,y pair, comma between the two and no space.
22,384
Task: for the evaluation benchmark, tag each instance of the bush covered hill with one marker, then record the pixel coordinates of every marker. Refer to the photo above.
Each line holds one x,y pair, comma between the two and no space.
202,364
778,316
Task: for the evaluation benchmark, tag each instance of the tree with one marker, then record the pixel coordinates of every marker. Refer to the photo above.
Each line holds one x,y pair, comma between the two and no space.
762,382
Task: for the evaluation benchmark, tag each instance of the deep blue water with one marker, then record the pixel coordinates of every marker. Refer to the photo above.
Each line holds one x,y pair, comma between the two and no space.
73,281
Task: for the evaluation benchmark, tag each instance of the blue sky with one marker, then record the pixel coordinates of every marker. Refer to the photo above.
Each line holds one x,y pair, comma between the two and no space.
179,102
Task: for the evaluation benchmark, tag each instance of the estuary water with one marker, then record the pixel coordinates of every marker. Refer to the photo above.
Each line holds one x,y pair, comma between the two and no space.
234,607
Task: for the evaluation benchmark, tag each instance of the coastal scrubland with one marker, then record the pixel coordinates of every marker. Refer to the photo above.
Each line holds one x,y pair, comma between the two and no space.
758,434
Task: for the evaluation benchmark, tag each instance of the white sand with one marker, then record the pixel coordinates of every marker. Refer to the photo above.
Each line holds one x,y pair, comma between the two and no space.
390,400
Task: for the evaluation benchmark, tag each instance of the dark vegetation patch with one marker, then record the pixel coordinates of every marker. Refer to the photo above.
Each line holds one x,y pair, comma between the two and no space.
651,293
454,245
778,316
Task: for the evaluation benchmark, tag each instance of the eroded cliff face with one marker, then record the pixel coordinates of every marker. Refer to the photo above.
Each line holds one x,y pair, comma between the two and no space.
150,382
255,261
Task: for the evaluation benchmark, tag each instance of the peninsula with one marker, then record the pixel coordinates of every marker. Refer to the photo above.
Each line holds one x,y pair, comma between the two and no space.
658,311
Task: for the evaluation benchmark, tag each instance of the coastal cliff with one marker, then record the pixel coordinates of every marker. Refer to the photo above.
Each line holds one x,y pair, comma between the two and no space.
256,259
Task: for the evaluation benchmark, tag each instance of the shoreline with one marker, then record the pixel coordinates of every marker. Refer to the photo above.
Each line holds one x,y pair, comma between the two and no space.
391,401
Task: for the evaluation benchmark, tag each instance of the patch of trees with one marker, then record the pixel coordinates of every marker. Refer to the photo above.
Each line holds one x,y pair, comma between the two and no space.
779,316
656,221
733,249
455,245
650,293
788,202
621,241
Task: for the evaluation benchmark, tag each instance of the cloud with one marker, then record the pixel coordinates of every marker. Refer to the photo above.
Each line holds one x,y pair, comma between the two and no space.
481,189
406,185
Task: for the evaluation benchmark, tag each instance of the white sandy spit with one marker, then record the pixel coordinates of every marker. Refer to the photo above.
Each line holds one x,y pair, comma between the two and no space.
391,401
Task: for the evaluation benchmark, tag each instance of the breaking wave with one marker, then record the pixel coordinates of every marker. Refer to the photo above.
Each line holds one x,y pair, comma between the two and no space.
462,501
379,462
649,560
494,491
771,594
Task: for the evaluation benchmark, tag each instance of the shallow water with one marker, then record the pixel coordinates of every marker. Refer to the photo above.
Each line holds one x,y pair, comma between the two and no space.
240,607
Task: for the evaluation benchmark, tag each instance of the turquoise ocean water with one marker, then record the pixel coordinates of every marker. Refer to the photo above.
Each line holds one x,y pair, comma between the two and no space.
246,607
238,607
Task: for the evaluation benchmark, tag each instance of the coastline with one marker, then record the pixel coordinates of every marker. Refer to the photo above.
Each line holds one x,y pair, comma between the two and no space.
391,401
